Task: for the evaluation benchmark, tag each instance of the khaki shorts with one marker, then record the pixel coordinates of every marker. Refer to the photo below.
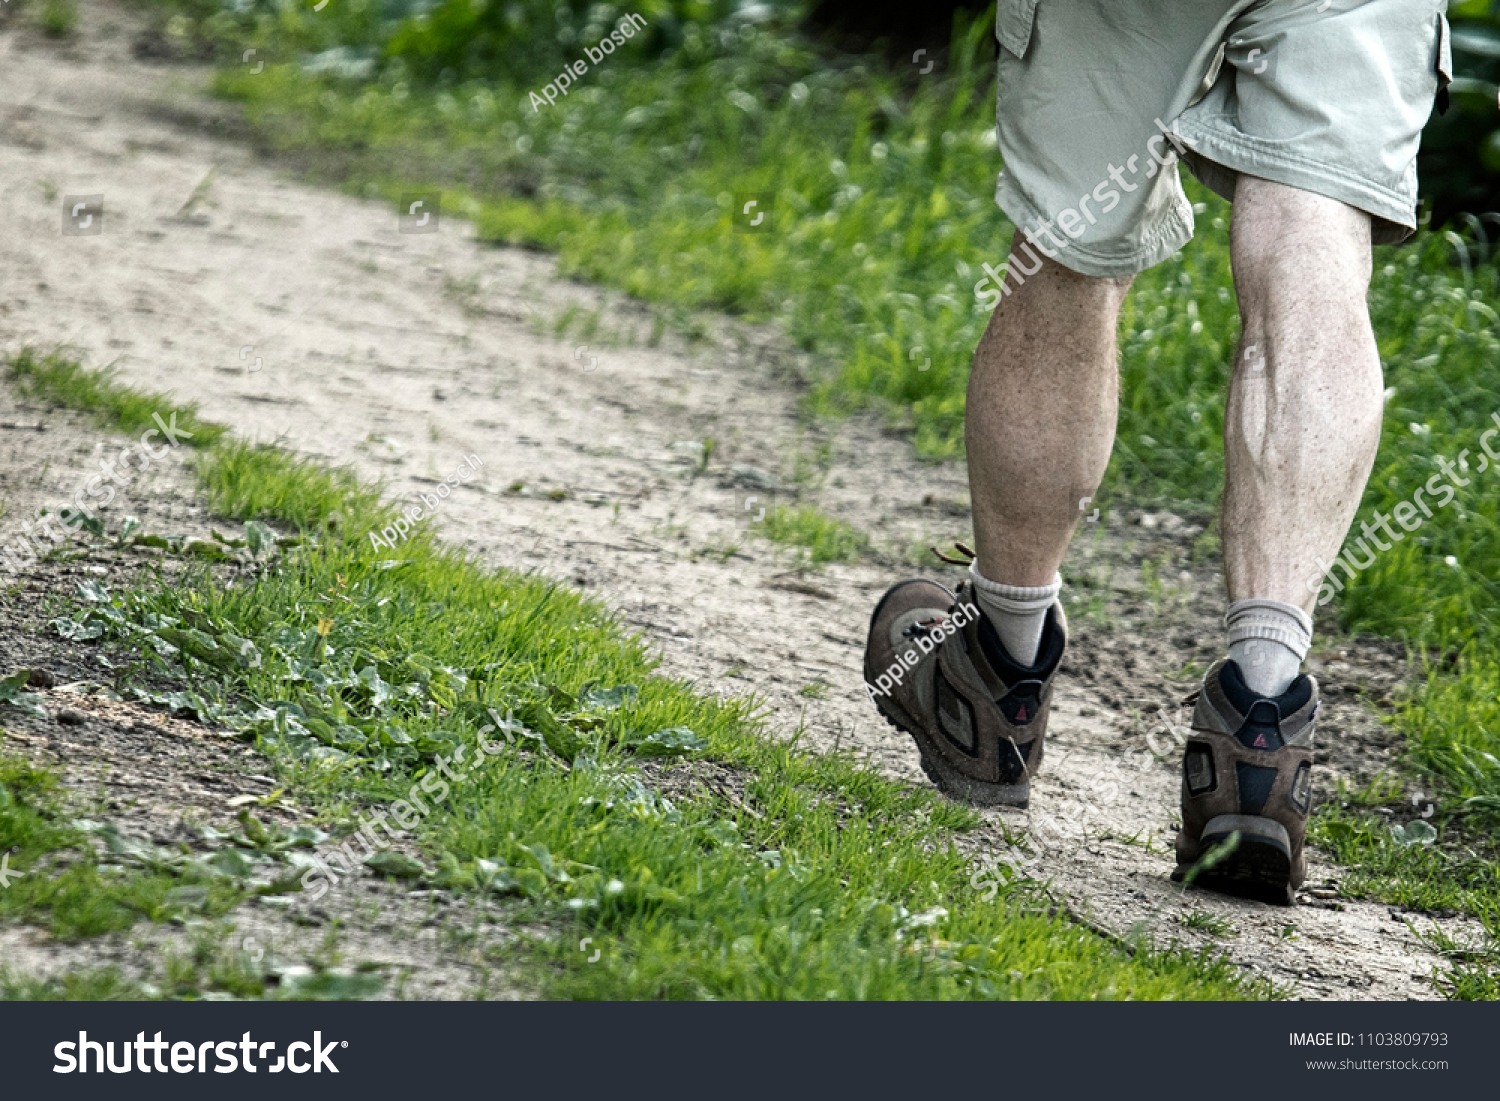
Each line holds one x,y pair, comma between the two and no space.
1098,99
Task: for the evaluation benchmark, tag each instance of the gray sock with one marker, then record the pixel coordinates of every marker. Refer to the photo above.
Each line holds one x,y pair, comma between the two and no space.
1017,612
1268,640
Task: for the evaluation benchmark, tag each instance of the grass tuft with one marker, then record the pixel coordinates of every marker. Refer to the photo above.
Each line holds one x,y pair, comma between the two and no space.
819,538
57,378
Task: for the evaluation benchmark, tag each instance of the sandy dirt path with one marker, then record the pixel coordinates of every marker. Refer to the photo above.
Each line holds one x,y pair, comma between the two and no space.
298,314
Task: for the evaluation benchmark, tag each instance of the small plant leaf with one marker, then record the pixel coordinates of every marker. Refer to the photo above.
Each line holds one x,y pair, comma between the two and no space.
258,537
396,865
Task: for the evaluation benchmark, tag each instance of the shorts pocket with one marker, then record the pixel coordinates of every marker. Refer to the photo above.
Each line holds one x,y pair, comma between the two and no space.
1013,22
1444,63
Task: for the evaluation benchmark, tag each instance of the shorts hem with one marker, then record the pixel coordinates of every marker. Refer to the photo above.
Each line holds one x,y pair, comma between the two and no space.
1219,154
1167,237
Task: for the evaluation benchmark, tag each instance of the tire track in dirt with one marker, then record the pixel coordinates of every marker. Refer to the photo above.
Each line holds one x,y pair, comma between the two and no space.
402,353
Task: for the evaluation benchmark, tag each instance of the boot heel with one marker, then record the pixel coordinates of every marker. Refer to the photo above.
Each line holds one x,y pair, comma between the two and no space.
1259,866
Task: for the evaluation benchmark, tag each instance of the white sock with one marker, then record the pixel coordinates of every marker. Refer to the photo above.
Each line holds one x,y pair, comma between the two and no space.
1017,612
1268,640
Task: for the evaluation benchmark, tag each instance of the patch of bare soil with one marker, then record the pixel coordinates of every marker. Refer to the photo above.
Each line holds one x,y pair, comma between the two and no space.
295,313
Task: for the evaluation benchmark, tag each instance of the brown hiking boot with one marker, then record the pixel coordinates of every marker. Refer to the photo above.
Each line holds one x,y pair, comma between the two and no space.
936,669
1247,770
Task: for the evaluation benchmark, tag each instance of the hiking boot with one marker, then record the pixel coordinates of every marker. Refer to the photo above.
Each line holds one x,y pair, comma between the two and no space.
1247,770
936,669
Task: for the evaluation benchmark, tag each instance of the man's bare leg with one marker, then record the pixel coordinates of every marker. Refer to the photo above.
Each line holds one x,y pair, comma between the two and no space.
1303,420
1300,434
974,688
1042,404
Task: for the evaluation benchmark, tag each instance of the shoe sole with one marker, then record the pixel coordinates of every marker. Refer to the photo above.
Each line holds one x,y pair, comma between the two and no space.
954,784
1259,867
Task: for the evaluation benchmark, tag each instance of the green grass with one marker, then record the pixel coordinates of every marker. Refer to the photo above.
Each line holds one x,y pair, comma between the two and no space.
58,378
62,886
1473,964
819,538
814,878
245,482
1451,867
1454,871
104,984
881,217
1208,923
58,18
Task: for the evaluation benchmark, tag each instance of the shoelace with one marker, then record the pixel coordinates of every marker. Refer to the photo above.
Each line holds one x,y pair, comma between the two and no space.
962,548
925,627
